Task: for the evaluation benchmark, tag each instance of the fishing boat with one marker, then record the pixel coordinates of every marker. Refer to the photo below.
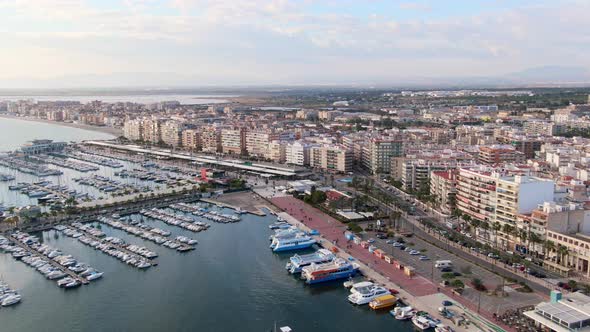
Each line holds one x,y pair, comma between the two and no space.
334,270
424,321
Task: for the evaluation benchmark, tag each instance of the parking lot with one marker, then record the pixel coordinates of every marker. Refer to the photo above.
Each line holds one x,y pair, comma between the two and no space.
468,271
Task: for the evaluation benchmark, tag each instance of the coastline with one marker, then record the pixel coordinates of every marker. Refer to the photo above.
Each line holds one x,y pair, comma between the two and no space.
106,130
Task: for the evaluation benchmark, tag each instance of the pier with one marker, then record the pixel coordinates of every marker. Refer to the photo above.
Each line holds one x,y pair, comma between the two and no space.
65,270
116,246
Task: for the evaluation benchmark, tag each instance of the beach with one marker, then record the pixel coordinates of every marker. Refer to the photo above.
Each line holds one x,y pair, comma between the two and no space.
107,130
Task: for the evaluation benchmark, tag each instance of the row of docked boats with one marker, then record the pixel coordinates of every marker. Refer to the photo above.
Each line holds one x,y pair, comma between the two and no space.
8,296
63,162
24,166
156,235
6,177
169,179
175,219
47,192
51,262
107,185
290,239
110,246
202,212
95,159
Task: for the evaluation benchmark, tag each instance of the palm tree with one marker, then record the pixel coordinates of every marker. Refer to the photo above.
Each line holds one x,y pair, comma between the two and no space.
534,239
507,229
523,235
549,246
563,252
486,227
496,226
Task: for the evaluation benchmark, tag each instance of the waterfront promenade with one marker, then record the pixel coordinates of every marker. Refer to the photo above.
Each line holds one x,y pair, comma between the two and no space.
413,289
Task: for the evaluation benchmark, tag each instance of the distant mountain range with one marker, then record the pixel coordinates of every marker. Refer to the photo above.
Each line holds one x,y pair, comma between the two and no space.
532,77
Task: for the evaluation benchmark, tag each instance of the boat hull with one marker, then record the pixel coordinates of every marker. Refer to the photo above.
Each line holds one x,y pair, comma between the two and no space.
333,276
299,246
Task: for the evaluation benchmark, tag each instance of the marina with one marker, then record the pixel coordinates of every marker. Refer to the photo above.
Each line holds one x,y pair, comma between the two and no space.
175,220
131,255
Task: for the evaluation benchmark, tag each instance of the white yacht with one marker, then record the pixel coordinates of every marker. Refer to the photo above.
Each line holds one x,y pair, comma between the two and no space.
94,276
421,322
293,243
11,300
364,295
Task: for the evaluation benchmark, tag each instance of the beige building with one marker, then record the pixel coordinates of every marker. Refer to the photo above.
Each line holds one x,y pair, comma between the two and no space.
331,158
191,139
152,130
257,142
171,132
443,186
500,154
277,151
211,140
233,141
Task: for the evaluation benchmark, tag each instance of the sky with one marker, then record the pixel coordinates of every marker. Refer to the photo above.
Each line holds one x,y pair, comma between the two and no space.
240,42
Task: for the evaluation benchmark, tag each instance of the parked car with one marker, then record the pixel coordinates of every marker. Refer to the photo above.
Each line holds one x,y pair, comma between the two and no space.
414,252
424,258
371,240
381,236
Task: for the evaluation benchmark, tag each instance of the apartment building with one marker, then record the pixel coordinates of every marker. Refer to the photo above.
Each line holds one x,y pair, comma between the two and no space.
331,158
494,195
133,130
257,142
152,130
378,153
416,172
297,153
443,187
211,140
171,132
545,128
500,154
277,151
191,139
233,141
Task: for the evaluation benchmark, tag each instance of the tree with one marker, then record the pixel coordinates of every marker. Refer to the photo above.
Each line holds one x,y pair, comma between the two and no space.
563,252
496,226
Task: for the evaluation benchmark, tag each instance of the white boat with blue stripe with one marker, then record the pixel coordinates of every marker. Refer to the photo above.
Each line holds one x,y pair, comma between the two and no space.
298,262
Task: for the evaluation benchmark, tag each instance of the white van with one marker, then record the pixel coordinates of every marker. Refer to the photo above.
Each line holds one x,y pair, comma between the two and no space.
443,264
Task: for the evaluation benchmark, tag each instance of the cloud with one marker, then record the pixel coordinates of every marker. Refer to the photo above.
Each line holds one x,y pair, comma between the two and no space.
289,39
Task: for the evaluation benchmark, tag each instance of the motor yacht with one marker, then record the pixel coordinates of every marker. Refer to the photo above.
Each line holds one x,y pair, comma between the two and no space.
365,295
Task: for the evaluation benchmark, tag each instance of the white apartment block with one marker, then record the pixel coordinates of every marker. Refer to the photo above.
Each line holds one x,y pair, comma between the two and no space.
133,130
297,153
378,153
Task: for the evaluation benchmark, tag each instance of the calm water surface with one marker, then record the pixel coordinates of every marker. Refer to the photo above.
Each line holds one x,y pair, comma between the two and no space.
231,282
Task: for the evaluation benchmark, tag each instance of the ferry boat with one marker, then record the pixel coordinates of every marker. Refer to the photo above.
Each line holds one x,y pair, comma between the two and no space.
298,262
365,295
383,302
336,269
293,243
403,313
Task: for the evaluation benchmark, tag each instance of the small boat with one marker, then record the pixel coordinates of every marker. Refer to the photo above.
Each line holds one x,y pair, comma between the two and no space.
421,322
11,300
403,313
443,328
94,276
383,302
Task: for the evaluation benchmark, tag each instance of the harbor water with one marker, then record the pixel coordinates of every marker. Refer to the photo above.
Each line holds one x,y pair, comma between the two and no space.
231,282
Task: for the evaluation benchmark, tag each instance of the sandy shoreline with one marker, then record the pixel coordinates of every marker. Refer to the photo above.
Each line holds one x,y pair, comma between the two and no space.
107,130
